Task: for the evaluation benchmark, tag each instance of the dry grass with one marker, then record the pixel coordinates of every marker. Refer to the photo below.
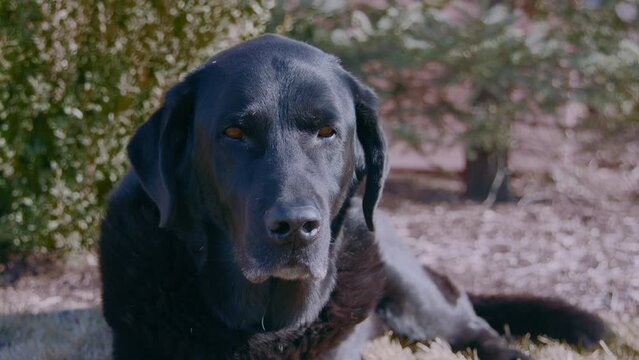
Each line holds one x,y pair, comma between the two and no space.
386,348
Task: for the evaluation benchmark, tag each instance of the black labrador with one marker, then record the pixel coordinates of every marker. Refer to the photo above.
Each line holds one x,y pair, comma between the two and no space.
237,234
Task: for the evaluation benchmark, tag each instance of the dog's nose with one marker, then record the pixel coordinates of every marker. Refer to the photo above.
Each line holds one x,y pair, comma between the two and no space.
298,225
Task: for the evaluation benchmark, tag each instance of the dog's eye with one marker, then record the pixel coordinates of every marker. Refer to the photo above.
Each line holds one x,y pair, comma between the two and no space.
326,132
234,133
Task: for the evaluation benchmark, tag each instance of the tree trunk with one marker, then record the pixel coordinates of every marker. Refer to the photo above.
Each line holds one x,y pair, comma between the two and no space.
486,176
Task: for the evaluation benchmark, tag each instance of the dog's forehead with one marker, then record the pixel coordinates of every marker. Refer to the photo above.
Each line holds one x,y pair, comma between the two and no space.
266,47
276,74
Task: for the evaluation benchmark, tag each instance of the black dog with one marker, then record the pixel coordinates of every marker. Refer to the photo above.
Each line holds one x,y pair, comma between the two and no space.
236,233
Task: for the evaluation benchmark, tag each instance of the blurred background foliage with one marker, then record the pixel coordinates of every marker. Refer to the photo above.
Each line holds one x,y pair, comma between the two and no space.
76,78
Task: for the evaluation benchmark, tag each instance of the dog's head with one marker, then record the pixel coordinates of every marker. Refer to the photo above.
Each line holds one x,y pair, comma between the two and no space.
269,137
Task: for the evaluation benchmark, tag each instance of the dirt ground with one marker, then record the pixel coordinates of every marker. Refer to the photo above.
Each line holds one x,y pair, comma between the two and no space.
574,233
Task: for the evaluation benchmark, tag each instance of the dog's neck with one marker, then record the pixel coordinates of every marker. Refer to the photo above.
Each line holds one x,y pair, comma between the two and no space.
271,305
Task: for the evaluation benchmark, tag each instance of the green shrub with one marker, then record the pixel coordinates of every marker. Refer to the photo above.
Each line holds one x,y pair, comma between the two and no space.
76,77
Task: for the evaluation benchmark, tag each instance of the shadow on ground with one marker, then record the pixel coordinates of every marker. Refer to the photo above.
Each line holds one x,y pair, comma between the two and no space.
65,334
82,334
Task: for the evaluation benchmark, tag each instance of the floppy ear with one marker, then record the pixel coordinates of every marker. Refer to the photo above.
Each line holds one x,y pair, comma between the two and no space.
158,149
372,163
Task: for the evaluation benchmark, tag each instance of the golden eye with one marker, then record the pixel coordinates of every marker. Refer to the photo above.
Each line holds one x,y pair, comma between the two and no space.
234,133
326,132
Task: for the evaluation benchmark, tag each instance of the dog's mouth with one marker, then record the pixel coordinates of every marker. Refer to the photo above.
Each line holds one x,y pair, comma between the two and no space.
292,267
293,272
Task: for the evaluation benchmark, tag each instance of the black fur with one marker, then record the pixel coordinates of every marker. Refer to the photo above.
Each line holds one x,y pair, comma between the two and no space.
194,268
540,316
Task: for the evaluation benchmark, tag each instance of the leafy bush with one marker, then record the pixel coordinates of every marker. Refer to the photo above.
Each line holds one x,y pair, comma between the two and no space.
76,78
603,54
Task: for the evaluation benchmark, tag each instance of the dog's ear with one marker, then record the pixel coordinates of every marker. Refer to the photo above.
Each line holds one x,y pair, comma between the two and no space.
371,159
157,150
